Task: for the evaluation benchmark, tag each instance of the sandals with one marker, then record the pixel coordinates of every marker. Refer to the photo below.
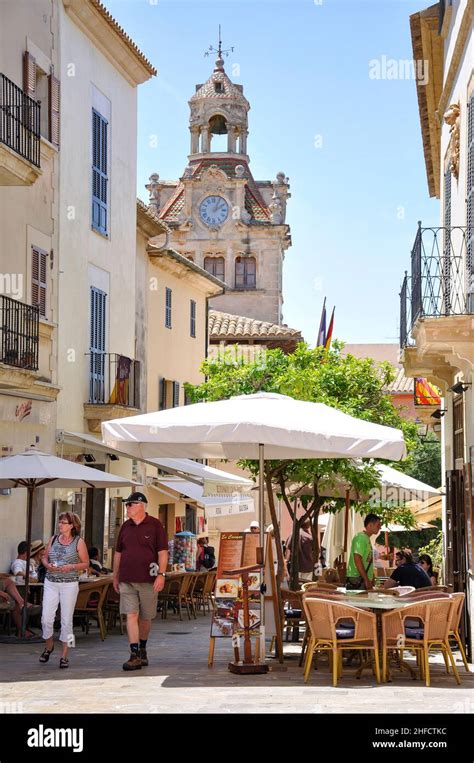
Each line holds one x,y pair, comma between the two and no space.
46,655
64,662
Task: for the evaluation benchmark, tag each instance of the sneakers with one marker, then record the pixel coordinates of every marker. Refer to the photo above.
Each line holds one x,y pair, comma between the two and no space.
133,663
143,657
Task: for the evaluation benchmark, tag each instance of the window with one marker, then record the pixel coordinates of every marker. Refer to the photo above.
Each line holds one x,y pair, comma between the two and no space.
97,346
44,88
169,394
193,319
38,280
175,394
245,273
215,266
168,308
99,173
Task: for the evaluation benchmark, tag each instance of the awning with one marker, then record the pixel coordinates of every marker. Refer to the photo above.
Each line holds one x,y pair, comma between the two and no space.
213,480
214,505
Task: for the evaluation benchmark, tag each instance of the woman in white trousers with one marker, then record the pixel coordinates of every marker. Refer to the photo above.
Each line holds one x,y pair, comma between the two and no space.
65,558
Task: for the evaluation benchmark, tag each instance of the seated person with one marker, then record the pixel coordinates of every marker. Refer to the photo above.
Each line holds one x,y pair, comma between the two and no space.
18,566
9,595
408,573
427,565
37,552
95,567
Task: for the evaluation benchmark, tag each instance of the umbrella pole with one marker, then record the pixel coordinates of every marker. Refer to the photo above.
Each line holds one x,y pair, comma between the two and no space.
346,523
29,520
261,553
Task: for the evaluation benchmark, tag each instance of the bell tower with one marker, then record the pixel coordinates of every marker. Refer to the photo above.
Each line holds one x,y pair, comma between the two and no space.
219,107
223,219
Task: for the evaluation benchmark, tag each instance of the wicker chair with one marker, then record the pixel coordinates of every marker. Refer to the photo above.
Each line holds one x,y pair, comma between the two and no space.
90,603
454,625
435,617
323,617
176,592
313,591
204,596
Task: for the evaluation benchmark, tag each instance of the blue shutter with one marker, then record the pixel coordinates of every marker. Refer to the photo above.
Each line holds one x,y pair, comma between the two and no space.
100,128
193,319
97,346
168,309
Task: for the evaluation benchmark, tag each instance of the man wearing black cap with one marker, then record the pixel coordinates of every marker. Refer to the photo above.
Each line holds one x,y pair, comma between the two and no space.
141,558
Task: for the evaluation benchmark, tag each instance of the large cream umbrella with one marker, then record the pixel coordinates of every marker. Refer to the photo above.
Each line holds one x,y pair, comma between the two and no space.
258,426
33,470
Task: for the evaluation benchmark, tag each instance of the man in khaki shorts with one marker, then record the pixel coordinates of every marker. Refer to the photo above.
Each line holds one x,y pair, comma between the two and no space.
140,562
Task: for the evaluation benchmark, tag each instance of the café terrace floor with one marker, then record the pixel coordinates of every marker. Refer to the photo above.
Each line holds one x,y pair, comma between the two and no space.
179,681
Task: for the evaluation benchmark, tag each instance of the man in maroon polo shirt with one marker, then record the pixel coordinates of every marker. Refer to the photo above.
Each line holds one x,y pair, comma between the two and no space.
141,558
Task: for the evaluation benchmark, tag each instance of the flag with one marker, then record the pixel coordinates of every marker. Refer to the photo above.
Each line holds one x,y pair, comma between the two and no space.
327,343
321,341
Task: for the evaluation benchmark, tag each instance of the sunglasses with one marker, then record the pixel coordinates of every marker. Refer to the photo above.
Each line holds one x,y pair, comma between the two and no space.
64,522
134,503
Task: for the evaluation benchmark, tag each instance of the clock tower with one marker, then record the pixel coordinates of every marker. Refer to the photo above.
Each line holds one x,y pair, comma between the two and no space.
220,217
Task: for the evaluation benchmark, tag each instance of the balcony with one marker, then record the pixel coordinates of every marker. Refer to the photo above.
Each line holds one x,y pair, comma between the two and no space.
19,343
20,140
114,388
437,304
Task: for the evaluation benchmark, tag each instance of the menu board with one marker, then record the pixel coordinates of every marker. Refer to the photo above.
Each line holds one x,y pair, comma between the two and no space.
236,549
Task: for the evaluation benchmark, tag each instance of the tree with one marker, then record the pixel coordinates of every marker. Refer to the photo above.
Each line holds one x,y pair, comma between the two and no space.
424,463
353,385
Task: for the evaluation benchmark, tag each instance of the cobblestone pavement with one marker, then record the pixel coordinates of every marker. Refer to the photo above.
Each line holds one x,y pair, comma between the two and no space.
178,680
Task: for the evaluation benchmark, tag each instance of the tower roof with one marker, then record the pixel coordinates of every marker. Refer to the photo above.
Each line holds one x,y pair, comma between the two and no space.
220,88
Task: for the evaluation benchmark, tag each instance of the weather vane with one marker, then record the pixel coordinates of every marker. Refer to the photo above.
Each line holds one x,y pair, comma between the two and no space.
219,50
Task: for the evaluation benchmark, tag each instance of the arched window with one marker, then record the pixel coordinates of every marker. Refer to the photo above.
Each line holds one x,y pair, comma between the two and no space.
218,133
215,266
245,273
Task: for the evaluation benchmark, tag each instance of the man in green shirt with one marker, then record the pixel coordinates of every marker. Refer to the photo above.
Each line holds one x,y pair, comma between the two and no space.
360,570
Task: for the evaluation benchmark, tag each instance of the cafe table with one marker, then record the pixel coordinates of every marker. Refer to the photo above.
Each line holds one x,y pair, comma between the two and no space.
378,603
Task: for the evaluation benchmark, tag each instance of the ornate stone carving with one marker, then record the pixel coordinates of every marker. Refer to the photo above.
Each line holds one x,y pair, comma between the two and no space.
453,118
239,171
154,188
281,187
276,210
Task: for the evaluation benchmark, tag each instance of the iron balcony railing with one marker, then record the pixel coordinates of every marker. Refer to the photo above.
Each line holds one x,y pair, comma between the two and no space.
19,121
113,379
19,334
440,283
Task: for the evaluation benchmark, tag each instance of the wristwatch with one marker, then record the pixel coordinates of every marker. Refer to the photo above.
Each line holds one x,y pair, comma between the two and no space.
161,573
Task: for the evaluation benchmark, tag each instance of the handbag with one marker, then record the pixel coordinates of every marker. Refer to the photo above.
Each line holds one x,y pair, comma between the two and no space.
353,584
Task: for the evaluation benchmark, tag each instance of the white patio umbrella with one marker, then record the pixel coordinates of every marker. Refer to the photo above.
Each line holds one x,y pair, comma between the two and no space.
33,469
258,426
334,539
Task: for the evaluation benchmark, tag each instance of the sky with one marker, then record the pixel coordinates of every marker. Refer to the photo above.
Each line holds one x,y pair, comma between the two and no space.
333,105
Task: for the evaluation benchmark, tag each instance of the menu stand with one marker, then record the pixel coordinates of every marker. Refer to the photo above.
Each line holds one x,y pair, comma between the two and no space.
249,665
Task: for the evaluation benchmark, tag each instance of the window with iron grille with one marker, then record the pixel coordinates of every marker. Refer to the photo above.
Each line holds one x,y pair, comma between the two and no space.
168,308
458,429
100,181
470,204
215,266
245,273
193,318
98,319
39,272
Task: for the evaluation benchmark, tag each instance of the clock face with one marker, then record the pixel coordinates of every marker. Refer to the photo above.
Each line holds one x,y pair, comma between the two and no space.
213,210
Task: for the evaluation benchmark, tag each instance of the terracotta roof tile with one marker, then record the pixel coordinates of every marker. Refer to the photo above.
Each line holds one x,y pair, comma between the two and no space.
123,35
226,326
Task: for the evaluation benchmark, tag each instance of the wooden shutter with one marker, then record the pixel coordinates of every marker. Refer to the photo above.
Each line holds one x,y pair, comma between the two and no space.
192,327
97,346
175,394
54,97
168,308
162,395
38,280
29,75
99,172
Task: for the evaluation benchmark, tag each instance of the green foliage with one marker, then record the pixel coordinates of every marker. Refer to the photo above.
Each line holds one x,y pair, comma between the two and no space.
424,462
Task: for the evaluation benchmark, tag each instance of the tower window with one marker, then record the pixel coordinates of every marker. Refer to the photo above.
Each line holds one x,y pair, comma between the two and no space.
218,87
245,273
215,266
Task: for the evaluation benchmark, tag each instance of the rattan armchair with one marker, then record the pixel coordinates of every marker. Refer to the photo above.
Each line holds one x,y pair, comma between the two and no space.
323,617
434,617
454,625
90,603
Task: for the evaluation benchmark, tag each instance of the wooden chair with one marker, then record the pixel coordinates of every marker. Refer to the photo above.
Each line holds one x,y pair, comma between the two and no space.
169,594
203,594
198,588
6,608
176,592
454,625
90,603
112,609
435,616
323,617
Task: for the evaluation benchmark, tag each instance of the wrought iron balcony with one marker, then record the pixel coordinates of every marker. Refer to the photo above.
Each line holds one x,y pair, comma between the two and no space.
441,282
113,380
19,334
19,121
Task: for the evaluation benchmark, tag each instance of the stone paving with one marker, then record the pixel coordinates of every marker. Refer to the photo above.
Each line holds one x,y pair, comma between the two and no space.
178,680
